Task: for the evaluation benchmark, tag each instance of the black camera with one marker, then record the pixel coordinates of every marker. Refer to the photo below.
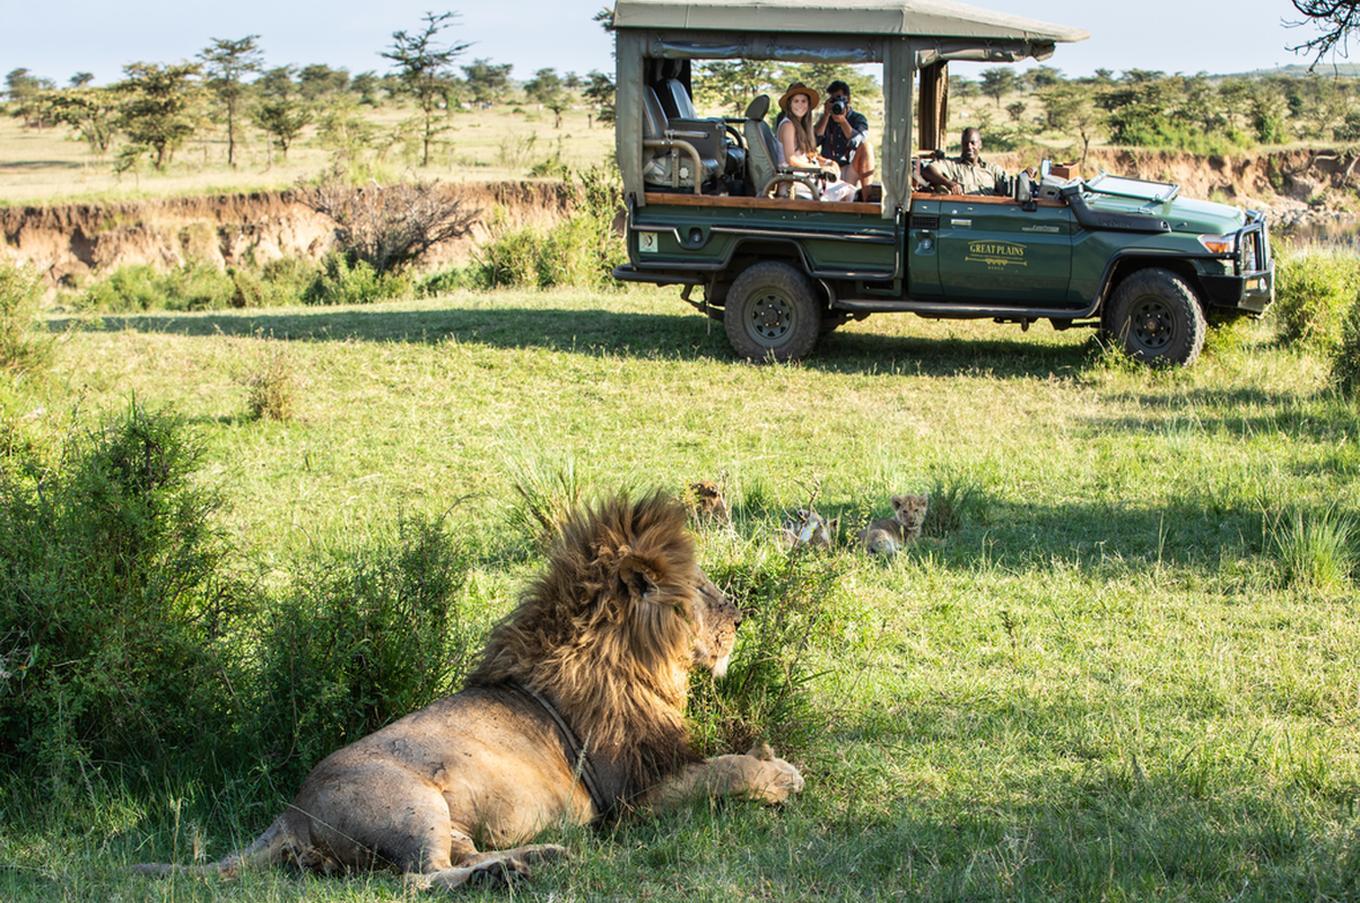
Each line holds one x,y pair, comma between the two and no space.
837,108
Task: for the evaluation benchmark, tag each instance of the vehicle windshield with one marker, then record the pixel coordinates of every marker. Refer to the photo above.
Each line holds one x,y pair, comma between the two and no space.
1138,189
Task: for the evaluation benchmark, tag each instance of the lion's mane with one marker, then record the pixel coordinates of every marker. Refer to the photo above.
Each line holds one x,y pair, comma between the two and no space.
607,634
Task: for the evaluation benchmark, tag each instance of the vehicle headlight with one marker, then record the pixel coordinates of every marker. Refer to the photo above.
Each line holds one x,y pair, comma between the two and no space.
1219,244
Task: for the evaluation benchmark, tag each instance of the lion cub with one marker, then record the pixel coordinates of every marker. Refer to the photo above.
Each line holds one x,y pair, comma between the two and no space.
706,503
888,534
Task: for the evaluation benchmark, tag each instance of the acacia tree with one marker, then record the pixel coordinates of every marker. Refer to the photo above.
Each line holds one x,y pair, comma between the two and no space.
546,87
600,92
282,111
225,62
998,82
92,112
160,108
424,67
487,80
1337,20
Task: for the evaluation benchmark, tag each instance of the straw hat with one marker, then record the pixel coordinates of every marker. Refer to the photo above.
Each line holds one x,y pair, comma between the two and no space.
799,88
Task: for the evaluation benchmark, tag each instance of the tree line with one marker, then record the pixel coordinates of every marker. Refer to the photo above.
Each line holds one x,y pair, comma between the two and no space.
156,108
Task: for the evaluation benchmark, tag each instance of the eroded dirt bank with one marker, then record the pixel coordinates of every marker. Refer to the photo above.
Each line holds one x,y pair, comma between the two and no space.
70,241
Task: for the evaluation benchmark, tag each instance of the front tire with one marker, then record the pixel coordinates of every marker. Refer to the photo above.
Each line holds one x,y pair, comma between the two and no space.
772,313
1157,319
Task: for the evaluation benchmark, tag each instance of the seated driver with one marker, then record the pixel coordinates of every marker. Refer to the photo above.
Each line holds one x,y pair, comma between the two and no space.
967,173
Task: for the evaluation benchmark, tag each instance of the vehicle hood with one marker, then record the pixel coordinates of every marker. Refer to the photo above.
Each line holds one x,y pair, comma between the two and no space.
1182,214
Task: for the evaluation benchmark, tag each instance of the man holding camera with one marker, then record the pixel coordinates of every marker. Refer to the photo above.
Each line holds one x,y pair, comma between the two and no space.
843,134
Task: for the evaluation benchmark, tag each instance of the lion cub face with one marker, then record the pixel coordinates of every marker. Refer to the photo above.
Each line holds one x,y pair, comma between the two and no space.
910,511
718,618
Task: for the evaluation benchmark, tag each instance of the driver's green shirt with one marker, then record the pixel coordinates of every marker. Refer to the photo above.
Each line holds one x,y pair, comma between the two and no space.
979,177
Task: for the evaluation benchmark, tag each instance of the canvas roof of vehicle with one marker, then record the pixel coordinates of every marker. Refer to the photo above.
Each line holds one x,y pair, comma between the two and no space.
887,18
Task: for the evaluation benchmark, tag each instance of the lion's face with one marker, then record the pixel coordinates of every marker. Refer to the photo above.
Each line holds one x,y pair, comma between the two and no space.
717,617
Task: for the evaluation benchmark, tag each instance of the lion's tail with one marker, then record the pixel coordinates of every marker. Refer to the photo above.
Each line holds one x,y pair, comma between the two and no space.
270,848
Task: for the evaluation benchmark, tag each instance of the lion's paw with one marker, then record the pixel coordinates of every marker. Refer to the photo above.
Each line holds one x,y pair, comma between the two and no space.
778,781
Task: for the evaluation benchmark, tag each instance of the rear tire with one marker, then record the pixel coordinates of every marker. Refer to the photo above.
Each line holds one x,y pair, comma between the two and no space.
772,313
1156,317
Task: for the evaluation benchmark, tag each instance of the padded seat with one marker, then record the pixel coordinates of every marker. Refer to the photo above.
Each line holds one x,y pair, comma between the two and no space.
769,173
666,161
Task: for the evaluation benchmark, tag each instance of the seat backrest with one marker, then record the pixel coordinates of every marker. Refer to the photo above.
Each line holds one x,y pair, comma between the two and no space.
675,100
764,156
654,119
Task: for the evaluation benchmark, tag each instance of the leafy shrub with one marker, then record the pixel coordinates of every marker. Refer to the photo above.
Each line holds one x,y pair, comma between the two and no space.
20,295
340,282
1346,363
581,251
441,282
1314,291
114,602
272,388
193,286
277,284
361,637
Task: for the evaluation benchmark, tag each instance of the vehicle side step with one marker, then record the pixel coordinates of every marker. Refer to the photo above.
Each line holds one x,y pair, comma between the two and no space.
965,310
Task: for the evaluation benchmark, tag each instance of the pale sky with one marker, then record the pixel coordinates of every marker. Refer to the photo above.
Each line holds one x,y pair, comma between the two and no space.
58,38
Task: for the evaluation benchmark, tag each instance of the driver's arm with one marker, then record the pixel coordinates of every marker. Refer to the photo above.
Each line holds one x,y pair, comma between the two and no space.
935,176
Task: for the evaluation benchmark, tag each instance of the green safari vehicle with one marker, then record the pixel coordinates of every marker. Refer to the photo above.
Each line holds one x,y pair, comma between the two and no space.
1130,257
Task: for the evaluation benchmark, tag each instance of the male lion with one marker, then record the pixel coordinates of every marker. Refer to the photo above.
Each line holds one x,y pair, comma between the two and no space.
576,711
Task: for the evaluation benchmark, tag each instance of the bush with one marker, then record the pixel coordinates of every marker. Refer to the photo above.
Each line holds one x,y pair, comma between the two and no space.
361,637
790,603
114,601
441,283
1314,291
272,388
582,251
1346,363
277,284
193,286
340,282
20,295
387,227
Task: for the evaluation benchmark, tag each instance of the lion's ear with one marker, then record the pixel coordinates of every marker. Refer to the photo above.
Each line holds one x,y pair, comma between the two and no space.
638,577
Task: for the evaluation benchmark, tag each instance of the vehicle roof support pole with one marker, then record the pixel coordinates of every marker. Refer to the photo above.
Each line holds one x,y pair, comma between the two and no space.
899,67
933,115
628,82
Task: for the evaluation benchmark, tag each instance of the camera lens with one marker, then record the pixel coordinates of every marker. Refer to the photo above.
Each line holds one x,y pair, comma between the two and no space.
838,108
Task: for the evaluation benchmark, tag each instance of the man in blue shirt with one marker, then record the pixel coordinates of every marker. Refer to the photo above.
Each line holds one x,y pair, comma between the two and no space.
844,136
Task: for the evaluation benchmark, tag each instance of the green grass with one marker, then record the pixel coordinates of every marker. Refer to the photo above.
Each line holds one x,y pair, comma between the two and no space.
1101,685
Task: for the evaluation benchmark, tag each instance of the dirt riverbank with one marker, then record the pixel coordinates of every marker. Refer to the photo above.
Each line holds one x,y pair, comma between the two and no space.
1302,188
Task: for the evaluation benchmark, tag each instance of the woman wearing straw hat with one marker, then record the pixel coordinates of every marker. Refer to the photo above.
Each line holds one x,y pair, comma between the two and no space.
800,143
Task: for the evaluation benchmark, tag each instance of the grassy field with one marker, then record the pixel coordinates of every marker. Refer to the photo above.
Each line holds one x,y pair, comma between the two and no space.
1104,685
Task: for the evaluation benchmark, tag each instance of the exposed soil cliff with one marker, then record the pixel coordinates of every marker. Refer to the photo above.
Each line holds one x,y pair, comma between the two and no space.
70,241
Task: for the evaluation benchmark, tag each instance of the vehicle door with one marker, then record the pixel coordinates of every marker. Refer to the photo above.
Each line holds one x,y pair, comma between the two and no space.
997,249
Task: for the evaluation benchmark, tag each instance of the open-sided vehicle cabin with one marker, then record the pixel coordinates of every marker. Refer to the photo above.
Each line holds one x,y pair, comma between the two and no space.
709,209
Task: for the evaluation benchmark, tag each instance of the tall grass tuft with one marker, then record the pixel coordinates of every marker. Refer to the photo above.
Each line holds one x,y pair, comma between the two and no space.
954,501
116,605
546,492
273,388
790,602
21,349
1315,552
1314,292
361,636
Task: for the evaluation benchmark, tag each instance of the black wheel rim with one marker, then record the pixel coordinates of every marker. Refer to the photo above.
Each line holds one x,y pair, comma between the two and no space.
771,318
1152,326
